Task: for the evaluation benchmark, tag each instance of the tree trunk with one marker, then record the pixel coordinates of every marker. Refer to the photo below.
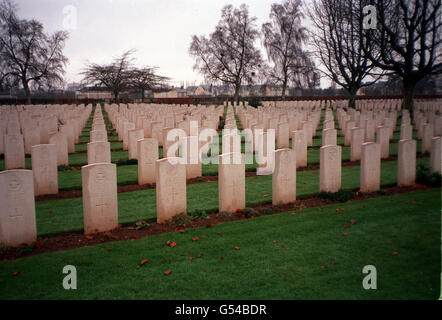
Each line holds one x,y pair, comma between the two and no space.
284,88
142,95
27,91
236,97
352,98
117,100
408,93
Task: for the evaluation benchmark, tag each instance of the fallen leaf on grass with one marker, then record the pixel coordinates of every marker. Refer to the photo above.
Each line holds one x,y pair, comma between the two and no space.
237,248
144,261
333,262
173,244
323,267
282,246
200,255
395,253
345,234
293,213
16,273
265,196
89,237
221,258
195,239
274,241
352,221
167,272
181,231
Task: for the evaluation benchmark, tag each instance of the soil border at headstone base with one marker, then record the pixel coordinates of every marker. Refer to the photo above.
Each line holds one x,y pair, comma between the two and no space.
69,241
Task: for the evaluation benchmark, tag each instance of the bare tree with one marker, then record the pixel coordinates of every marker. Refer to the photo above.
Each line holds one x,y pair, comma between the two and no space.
284,38
4,75
29,54
115,76
338,43
229,54
146,79
407,39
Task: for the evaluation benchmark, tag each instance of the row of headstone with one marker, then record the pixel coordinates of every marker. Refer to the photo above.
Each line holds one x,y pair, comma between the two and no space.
45,157
28,126
142,130
100,185
98,149
18,186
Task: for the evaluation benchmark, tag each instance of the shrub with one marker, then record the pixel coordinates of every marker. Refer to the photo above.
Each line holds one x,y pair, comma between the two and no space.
63,168
24,249
198,213
424,176
341,195
266,211
225,214
141,225
3,249
181,219
249,212
255,102
299,207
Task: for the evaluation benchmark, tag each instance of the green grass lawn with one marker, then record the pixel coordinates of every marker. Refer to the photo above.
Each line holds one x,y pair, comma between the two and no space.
262,269
66,215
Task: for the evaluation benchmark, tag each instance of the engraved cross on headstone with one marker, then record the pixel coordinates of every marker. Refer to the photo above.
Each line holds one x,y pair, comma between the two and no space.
15,199
233,184
101,201
287,182
174,192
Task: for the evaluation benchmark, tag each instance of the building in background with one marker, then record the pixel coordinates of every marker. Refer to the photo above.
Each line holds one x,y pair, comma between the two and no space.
173,93
201,91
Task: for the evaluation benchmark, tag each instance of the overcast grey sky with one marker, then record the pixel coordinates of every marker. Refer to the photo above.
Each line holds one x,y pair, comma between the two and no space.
160,30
